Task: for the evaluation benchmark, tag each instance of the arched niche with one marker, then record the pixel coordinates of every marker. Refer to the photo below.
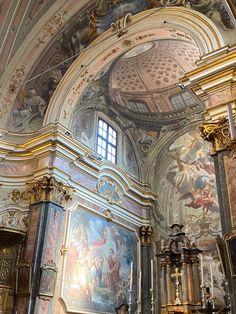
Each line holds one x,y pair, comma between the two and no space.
154,24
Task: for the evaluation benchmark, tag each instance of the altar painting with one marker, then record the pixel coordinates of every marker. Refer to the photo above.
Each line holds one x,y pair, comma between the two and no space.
98,263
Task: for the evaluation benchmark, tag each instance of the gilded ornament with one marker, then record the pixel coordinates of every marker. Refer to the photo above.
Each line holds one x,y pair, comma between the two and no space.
14,196
48,189
63,250
217,134
108,214
146,233
120,26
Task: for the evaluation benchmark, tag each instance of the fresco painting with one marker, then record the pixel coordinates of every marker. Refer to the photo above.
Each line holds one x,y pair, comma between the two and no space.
82,127
189,197
29,110
230,168
130,162
98,263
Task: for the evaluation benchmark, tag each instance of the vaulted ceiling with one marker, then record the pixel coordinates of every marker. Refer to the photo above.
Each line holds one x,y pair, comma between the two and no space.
40,39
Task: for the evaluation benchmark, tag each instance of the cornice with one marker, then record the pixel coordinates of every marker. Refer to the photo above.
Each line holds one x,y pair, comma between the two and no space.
55,142
220,66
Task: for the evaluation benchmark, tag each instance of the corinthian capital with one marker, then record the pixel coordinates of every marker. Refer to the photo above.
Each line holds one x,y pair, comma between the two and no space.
146,233
217,133
48,189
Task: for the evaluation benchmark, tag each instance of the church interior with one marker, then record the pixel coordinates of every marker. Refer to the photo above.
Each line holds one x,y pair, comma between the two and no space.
117,166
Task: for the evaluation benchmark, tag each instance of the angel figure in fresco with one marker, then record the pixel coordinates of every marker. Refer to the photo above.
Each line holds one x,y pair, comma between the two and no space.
182,173
201,197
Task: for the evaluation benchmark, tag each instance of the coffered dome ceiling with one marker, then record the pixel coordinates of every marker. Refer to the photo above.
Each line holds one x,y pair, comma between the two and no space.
150,74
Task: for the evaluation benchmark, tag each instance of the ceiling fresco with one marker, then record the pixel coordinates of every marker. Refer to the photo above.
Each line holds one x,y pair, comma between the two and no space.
150,73
70,38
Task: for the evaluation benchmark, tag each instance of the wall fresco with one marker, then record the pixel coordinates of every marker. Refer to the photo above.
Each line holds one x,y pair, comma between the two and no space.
188,195
230,168
82,127
130,162
98,260
28,111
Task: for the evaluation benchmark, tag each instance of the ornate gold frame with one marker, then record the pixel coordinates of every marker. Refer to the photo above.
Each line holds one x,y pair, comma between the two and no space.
230,239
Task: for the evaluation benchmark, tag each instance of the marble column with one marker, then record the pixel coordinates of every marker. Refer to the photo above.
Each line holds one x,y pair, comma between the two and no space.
169,291
185,295
163,284
146,256
191,286
196,280
43,243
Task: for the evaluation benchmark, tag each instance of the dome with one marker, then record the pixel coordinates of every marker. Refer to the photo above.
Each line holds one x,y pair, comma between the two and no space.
150,73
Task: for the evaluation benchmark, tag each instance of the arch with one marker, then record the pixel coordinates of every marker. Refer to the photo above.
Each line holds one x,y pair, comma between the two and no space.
173,22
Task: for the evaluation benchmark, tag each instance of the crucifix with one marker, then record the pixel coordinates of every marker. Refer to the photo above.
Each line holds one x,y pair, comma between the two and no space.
176,277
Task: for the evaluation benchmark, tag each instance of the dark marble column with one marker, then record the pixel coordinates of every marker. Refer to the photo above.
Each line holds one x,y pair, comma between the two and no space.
146,256
196,279
185,283
225,215
191,285
163,284
169,284
43,242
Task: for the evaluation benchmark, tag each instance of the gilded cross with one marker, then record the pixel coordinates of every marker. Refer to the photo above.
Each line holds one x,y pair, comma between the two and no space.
176,277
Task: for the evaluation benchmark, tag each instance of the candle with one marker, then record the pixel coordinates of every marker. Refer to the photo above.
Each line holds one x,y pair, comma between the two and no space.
202,274
152,285
231,122
131,276
139,285
212,285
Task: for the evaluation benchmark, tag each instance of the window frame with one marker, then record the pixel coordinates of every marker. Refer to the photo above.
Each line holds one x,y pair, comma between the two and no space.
136,108
184,100
106,140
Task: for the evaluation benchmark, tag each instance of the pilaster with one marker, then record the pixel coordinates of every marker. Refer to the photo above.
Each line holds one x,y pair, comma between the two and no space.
48,198
146,233
214,82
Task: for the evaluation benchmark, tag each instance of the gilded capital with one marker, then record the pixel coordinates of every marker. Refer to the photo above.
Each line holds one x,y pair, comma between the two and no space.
48,189
146,233
217,133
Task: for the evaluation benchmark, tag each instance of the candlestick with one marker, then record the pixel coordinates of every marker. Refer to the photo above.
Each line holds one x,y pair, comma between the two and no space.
139,285
130,302
139,301
231,122
202,273
131,276
212,286
152,283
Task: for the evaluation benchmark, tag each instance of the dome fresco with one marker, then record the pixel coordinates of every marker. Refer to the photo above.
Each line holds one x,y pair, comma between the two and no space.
151,72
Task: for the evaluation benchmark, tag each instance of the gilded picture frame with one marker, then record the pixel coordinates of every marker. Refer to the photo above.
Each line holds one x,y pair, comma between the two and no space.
221,249
23,278
230,239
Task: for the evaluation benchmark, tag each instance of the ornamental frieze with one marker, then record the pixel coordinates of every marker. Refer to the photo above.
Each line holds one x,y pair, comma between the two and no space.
14,219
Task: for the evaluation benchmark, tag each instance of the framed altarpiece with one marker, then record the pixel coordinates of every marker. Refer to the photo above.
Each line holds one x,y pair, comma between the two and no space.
101,256
230,239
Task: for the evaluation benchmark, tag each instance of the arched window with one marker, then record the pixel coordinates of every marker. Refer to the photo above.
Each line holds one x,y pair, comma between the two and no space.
106,141
182,100
138,106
